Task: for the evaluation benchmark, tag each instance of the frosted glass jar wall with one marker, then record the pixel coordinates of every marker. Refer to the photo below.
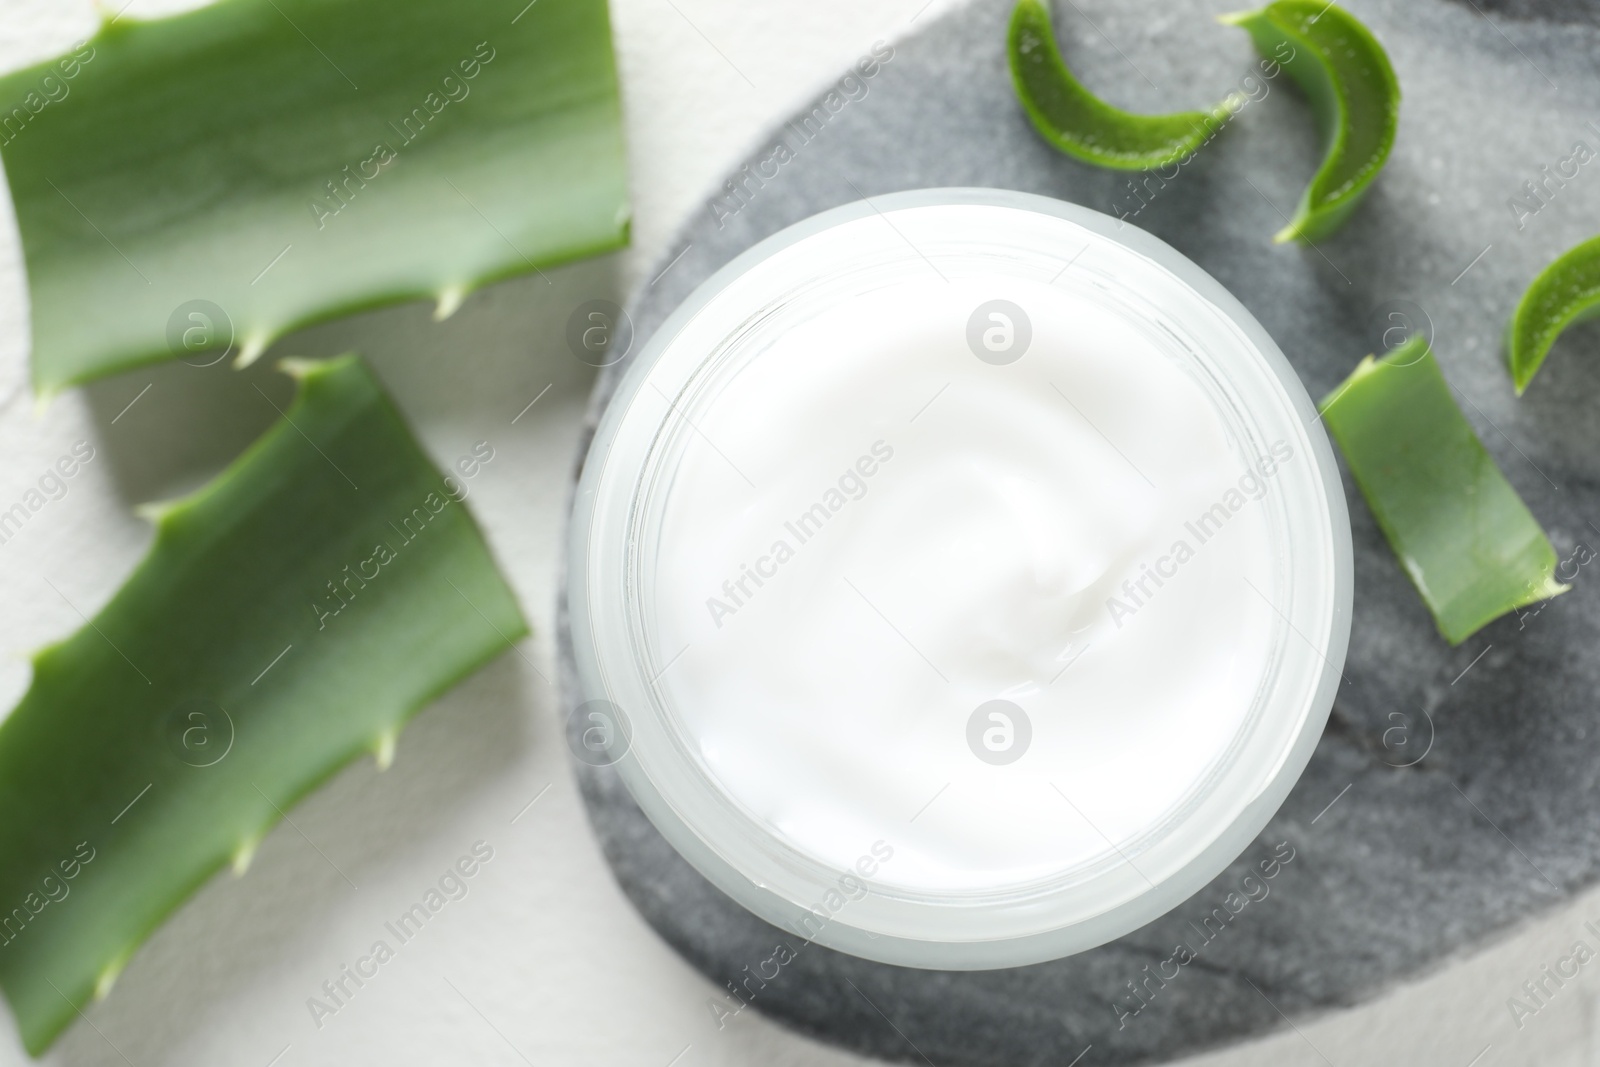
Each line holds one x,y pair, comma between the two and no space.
961,578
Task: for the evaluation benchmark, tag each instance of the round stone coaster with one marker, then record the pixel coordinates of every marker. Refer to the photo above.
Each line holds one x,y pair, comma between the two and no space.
1452,794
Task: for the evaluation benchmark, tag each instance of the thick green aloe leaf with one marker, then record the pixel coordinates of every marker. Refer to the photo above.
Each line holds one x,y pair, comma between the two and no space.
221,177
1080,123
290,616
1463,535
1354,92
1564,292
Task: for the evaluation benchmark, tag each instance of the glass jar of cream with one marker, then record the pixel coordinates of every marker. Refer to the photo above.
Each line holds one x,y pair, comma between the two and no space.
959,579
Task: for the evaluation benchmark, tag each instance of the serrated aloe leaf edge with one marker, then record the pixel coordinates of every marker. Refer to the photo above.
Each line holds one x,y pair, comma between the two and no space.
1462,534
267,164
1079,123
289,616
1345,72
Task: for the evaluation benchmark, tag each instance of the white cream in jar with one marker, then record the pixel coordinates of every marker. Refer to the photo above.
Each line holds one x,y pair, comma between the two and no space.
971,575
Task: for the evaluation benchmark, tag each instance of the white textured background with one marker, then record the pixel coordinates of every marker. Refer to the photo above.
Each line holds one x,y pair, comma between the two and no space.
544,961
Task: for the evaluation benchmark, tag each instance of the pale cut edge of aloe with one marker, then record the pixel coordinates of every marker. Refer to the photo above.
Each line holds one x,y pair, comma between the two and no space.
1460,531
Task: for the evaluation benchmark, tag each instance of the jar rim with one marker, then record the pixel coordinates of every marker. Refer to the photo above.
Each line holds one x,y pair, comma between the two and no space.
741,857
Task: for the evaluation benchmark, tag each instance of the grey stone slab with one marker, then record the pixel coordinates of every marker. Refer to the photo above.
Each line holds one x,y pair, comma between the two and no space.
1411,864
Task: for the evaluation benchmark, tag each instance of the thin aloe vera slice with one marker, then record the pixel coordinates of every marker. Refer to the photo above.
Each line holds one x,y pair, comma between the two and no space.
1466,539
1354,92
1566,291
1080,123
289,616
218,178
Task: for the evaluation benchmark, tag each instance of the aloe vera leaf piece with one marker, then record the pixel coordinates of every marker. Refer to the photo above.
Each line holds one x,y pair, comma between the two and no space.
1466,539
1565,292
226,155
1080,123
164,739
1353,90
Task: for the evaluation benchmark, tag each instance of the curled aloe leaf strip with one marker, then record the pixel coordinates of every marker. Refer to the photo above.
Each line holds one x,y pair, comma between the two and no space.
1353,90
1081,124
1460,530
289,616
1565,292
210,181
